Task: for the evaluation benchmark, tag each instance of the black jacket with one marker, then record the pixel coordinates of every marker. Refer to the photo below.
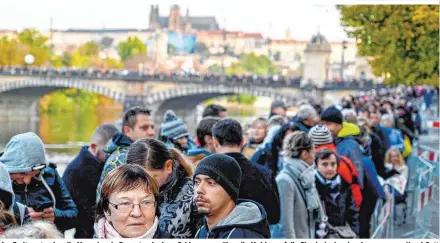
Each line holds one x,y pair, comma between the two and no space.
246,221
81,178
259,185
39,192
378,153
342,209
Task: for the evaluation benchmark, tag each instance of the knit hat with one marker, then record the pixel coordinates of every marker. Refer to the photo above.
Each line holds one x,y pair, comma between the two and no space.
24,153
224,170
173,127
320,135
332,114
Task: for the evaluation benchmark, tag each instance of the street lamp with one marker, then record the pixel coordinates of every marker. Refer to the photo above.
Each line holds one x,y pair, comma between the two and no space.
29,59
103,56
344,46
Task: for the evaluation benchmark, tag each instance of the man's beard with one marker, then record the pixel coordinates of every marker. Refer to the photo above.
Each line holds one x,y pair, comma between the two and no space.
204,211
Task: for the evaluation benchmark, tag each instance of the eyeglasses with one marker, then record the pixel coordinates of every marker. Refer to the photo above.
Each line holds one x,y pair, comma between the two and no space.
126,207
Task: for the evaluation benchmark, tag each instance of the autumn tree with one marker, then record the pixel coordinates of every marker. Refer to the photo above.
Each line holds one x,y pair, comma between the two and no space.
131,47
402,40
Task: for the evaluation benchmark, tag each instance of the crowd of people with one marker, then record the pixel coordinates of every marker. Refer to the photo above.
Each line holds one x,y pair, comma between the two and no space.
318,174
210,77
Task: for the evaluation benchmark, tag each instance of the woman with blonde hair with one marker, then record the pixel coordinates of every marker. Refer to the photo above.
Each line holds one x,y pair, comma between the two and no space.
396,169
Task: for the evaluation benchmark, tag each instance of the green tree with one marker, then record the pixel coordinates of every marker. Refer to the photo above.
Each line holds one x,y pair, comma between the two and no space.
11,52
251,63
86,56
171,49
131,47
401,39
36,44
201,48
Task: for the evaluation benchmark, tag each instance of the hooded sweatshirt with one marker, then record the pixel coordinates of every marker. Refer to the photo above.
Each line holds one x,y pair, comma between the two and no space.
25,152
19,210
347,146
115,156
246,221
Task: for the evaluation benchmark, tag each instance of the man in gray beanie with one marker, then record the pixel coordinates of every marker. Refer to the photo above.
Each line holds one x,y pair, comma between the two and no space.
36,182
217,180
174,133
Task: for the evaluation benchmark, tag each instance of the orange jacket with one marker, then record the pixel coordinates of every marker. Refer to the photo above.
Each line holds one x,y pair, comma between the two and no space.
348,172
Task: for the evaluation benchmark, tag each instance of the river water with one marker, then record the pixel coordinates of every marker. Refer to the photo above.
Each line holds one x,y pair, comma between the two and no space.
64,133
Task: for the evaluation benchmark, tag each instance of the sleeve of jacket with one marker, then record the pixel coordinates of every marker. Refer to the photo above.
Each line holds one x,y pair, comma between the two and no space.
351,213
269,197
65,211
350,149
371,174
287,201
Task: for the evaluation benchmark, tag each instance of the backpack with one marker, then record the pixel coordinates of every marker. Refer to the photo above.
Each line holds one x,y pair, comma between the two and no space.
355,183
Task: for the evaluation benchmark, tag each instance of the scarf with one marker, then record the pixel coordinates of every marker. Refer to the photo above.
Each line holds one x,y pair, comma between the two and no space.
104,230
332,186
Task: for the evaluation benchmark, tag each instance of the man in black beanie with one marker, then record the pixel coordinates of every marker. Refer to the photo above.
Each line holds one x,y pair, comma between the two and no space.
345,137
217,180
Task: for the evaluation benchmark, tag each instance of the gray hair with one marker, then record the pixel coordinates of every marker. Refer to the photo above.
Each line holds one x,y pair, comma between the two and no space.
34,230
306,111
386,118
276,120
103,134
295,143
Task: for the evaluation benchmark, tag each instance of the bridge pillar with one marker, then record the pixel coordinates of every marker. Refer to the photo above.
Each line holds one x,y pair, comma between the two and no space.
18,107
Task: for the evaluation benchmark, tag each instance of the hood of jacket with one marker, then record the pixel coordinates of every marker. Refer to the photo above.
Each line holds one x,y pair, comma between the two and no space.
349,129
24,152
118,140
246,214
6,184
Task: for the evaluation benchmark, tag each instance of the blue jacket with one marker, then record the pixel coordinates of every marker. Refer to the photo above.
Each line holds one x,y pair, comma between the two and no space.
48,188
246,221
372,186
178,212
81,178
346,145
299,122
394,137
115,156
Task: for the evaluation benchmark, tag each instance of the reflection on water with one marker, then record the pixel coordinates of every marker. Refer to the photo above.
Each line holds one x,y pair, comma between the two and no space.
64,133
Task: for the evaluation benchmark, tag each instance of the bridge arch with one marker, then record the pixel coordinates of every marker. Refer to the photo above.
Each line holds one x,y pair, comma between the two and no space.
45,86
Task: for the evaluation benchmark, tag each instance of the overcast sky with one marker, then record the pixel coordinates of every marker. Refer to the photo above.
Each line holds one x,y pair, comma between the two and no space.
241,15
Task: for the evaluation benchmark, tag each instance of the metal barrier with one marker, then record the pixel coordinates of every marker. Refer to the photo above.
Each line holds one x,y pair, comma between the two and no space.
420,192
432,156
382,221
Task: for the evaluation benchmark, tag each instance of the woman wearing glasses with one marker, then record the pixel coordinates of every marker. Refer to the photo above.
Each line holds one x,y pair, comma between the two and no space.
127,207
178,212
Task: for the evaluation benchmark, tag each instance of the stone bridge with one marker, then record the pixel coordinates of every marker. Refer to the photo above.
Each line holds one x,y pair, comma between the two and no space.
19,96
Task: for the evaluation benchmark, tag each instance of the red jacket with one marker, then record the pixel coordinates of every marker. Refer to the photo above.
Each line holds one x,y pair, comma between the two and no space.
348,172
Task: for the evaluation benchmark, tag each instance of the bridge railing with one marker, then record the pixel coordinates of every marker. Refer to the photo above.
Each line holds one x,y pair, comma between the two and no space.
254,80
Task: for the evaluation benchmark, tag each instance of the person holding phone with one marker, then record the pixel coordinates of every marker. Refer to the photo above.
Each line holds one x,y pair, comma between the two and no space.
36,182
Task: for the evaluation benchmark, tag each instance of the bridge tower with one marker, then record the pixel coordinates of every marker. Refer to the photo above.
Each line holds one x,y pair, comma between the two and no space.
317,59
